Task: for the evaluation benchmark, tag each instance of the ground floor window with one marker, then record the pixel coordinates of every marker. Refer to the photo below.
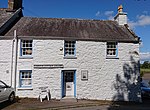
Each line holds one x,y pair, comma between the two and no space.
25,78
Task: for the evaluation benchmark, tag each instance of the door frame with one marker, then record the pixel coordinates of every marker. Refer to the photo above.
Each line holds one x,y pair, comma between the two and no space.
63,83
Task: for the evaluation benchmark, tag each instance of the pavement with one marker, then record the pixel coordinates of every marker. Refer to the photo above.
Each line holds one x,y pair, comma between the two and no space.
34,104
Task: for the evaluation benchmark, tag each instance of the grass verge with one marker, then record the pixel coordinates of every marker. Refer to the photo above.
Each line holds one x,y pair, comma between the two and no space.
145,70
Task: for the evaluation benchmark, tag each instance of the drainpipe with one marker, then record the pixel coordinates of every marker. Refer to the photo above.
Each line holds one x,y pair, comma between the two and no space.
11,75
15,58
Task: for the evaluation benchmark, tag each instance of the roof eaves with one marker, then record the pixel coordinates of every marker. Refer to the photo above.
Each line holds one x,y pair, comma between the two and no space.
78,39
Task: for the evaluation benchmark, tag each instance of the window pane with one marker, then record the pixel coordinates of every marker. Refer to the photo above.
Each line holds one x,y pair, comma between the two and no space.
23,41
28,51
30,41
66,45
26,82
22,74
27,41
23,45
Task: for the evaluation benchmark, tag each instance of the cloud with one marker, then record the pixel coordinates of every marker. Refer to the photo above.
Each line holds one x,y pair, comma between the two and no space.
98,14
145,56
142,20
109,14
145,12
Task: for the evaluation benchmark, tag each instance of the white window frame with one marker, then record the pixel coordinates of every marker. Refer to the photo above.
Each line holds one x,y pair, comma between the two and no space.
112,48
27,47
27,76
69,48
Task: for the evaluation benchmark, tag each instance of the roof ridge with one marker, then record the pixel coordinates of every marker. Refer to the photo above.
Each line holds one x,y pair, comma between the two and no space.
79,19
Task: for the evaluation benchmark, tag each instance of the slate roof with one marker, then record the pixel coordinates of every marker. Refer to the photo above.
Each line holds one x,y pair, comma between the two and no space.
4,16
55,28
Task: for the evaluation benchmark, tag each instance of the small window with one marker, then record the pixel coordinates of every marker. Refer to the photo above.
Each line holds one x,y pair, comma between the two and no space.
26,78
84,74
69,48
26,47
112,49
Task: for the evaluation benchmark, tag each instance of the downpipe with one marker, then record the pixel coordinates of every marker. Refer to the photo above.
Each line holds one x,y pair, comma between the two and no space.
15,58
12,56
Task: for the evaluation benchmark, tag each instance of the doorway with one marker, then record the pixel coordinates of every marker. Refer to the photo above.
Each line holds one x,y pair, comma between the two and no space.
68,84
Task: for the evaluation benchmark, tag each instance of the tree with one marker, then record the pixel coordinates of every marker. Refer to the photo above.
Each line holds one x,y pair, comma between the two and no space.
146,64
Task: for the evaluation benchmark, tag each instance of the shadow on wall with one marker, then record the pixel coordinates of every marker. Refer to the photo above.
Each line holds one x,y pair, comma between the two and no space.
127,85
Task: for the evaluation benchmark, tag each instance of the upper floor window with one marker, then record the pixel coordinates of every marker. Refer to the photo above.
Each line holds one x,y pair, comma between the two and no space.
26,47
25,78
69,48
112,49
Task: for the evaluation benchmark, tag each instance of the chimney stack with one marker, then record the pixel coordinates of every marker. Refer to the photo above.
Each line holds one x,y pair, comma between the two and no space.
121,17
14,5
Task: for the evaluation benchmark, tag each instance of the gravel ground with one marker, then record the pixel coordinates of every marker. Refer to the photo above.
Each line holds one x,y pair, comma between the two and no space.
34,104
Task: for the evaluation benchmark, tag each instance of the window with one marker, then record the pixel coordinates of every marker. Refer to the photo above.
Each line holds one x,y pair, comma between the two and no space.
69,48
26,47
111,49
26,78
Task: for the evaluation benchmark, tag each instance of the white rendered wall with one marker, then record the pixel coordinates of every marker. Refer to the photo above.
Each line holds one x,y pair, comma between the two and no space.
5,60
105,76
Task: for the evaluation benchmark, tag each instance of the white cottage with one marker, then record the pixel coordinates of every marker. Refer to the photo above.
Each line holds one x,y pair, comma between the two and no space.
84,59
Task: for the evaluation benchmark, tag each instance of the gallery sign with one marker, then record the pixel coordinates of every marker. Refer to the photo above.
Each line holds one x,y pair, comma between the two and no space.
48,66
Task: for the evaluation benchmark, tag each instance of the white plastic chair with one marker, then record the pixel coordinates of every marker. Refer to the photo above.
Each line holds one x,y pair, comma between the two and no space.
44,93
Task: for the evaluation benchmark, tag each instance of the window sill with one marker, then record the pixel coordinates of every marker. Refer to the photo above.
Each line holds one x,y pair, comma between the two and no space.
25,88
25,57
109,57
70,57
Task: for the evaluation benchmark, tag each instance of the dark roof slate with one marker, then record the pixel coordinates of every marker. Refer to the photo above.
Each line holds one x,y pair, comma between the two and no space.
97,30
4,16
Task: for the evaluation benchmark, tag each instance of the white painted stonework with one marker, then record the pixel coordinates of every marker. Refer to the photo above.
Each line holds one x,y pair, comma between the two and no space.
108,79
121,18
5,60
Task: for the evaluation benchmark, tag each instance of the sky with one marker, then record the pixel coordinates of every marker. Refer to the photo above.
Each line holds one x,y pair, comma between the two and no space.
138,12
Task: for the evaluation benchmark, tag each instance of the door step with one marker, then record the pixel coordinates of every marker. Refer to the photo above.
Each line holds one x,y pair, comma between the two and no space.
68,99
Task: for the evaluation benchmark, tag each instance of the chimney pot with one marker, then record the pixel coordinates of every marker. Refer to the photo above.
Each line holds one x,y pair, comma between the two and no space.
120,9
